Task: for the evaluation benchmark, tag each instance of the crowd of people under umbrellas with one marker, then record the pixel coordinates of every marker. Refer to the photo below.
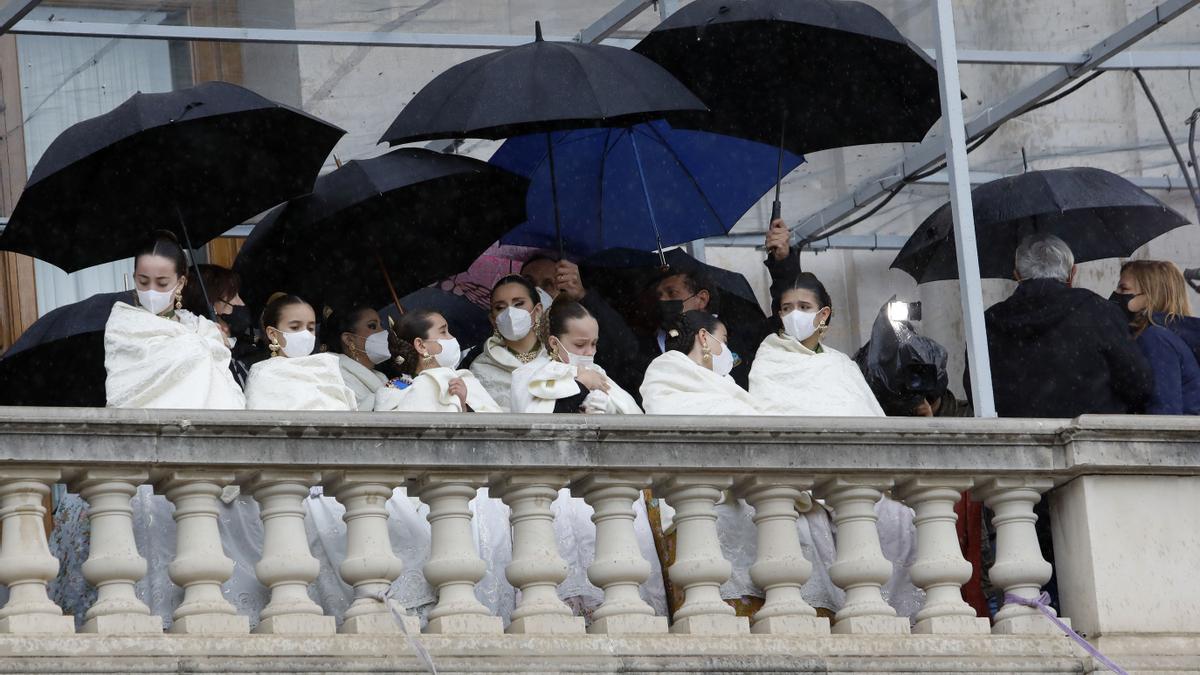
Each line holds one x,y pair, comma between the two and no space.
186,339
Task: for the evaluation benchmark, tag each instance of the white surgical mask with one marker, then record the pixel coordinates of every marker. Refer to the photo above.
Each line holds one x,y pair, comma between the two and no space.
377,347
514,323
722,364
156,302
450,355
298,344
800,325
544,298
577,360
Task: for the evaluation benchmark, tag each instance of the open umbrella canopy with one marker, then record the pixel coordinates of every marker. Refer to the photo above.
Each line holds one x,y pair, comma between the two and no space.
810,74
537,87
1097,213
402,220
210,157
468,321
639,187
59,360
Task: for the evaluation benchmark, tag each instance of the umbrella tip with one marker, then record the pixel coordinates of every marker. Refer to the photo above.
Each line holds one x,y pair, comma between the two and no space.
537,31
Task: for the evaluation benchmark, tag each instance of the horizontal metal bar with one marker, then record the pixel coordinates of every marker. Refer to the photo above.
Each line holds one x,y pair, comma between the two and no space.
140,31
1141,60
856,242
1166,183
14,11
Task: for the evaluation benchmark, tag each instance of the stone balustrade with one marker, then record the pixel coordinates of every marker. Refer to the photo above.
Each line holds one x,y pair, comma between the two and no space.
1124,496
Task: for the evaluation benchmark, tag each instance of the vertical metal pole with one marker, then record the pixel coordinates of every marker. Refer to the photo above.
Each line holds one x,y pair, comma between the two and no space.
964,217
667,8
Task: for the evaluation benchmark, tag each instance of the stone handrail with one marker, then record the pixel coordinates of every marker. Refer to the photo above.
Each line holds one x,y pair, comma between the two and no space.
692,462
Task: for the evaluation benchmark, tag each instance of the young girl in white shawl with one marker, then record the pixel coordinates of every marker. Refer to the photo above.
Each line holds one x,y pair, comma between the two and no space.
359,339
692,378
568,381
795,374
516,312
157,355
294,378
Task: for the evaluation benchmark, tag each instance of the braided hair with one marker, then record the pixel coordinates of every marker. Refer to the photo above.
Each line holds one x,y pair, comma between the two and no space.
683,329
416,323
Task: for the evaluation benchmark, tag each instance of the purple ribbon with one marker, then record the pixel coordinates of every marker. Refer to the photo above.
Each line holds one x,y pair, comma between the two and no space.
1042,604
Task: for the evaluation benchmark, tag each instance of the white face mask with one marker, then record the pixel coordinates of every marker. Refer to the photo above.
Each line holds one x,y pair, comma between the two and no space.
544,298
722,364
577,360
800,325
156,302
514,323
298,344
376,347
450,355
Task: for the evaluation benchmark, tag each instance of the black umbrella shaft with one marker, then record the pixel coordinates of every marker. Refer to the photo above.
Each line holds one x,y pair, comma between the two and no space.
187,240
554,198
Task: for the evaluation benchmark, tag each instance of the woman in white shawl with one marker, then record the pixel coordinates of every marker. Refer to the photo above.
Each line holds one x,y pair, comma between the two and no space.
692,378
568,381
516,312
429,356
294,378
794,373
156,355
359,339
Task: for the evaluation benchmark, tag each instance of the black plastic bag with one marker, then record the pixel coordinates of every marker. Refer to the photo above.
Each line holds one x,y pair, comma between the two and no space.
902,367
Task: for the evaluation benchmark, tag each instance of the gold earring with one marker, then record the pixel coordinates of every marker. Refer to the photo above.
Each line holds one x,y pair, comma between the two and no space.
705,353
178,298
274,347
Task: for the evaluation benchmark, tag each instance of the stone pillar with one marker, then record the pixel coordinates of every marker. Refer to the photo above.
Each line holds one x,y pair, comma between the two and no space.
699,566
370,565
536,568
287,567
26,565
200,565
619,567
940,569
114,565
454,565
781,569
860,568
1020,568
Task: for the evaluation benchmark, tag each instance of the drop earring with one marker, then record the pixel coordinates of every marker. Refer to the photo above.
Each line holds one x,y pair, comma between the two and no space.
178,299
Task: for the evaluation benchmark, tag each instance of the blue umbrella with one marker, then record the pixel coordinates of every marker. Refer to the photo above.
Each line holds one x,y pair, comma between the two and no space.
641,187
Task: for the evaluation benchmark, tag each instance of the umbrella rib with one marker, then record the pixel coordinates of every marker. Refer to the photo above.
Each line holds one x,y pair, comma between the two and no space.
692,178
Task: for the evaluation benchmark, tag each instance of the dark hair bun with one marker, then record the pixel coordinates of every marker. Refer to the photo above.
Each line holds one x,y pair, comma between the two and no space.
683,329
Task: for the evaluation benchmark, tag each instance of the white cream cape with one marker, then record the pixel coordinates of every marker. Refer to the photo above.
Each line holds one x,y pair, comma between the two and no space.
153,362
538,384
676,385
494,367
430,392
369,386
307,383
788,378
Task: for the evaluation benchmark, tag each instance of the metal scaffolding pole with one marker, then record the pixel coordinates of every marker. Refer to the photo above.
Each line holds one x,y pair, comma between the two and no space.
14,11
964,217
932,150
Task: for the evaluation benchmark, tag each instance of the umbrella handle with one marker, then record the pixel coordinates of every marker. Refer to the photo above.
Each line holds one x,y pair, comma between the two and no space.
388,278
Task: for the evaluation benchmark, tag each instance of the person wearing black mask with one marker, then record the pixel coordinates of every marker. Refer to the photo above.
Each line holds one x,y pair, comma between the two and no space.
232,316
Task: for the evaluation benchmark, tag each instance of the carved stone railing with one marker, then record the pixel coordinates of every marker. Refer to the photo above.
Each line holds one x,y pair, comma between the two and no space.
1125,504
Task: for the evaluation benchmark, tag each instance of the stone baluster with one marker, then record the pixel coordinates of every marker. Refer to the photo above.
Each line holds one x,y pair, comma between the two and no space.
370,565
1019,568
287,567
619,567
860,568
200,565
699,566
780,569
26,565
454,565
114,565
536,568
940,569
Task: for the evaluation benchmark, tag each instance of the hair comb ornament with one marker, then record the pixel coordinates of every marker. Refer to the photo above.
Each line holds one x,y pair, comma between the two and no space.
673,333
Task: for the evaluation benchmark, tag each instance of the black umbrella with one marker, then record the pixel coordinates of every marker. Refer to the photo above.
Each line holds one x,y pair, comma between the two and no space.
625,276
468,321
804,75
541,87
195,161
1097,213
377,228
59,360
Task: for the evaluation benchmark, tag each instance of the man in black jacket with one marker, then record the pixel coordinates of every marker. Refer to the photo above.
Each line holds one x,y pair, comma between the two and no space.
1058,351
